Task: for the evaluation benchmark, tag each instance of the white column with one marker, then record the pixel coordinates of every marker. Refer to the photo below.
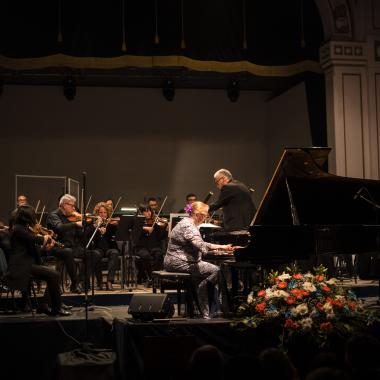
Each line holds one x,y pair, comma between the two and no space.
352,98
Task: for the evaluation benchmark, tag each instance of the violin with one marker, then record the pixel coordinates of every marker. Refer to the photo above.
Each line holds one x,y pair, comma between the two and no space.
77,217
162,222
114,221
38,230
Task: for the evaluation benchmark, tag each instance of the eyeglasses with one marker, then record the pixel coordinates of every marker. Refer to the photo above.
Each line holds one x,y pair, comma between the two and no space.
217,180
70,204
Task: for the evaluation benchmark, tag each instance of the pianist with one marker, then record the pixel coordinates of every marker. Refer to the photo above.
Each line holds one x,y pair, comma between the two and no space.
235,200
184,254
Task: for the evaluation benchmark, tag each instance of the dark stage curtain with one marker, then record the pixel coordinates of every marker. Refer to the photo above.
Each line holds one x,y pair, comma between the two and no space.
212,29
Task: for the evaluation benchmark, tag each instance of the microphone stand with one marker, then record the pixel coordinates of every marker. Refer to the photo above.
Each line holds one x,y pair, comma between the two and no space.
92,275
84,174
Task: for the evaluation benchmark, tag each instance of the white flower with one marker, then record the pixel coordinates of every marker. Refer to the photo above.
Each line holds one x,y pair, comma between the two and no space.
284,276
300,309
309,286
250,298
276,294
332,281
272,313
306,323
327,307
308,275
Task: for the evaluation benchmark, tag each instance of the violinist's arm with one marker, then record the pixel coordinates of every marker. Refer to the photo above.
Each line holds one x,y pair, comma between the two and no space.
54,222
21,233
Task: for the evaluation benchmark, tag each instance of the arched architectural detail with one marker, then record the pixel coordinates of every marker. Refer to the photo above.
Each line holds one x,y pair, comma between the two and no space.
336,19
350,60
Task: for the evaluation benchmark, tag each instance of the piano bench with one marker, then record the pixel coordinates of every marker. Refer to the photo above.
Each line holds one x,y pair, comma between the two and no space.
181,282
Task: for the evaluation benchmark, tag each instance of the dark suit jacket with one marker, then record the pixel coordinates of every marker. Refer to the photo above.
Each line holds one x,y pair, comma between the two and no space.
68,233
24,254
238,207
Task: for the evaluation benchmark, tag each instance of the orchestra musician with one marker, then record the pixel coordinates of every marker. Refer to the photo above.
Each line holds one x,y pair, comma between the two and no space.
184,254
148,244
68,226
25,261
235,200
153,204
21,200
110,203
5,242
104,242
190,198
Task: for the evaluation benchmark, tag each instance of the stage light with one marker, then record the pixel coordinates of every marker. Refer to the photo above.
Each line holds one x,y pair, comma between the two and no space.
233,90
69,88
168,90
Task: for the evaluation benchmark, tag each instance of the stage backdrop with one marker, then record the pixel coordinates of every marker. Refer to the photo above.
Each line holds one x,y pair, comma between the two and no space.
133,143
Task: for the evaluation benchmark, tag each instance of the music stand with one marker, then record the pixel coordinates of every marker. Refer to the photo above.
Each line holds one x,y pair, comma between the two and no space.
123,240
176,218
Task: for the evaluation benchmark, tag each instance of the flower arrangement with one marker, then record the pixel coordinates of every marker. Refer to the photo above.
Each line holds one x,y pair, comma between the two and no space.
304,304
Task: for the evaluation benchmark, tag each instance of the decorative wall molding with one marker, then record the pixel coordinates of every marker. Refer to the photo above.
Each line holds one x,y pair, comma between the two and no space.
343,53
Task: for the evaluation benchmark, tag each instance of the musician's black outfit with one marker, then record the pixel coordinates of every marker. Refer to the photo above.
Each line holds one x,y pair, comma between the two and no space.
25,262
148,246
237,204
105,246
72,237
5,243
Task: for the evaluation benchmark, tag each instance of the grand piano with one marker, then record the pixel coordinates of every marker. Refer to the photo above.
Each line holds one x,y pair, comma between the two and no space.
307,212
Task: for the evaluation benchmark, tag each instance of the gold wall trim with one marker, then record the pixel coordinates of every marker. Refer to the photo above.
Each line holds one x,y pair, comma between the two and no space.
61,60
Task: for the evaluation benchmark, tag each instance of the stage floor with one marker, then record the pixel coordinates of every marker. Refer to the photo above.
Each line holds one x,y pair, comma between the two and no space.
114,304
31,344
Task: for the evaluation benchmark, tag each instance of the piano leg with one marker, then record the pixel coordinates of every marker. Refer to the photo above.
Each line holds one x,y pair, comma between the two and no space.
243,273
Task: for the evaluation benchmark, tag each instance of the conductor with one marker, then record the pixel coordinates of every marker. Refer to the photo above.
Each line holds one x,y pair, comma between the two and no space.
235,200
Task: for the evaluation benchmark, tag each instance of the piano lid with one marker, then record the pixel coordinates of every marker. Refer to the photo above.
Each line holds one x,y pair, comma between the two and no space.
317,196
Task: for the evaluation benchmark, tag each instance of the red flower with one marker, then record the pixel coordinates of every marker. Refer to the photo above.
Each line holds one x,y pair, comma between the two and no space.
326,326
282,285
260,307
261,293
297,276
320,306
338,303
320,277
326,289
290,300
290,324
352,306
298,293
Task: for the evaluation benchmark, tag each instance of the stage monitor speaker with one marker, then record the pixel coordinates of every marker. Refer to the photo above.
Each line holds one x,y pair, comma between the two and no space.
147,307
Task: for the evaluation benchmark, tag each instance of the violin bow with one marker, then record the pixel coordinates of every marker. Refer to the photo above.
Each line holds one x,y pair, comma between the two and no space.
159,211
88,204
37,205
113,211
42,214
